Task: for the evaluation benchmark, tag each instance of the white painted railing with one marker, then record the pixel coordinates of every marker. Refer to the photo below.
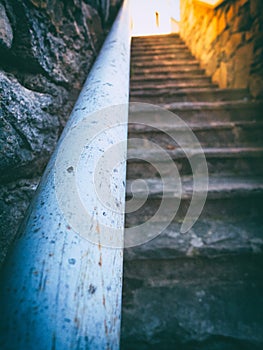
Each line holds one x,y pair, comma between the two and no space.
61,285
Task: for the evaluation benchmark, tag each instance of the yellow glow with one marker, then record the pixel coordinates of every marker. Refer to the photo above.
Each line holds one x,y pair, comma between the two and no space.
211,3
154,16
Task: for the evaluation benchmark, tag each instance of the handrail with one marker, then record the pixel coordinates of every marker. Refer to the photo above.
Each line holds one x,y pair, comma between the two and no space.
61,284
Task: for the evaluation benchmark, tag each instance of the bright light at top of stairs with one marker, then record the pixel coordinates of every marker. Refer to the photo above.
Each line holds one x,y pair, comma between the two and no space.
151,17
210,3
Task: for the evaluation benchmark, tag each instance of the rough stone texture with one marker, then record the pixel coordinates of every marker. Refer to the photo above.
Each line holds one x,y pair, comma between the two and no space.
193,303
227,41
206,239
15,198
46,49
200,290
6,33
28,131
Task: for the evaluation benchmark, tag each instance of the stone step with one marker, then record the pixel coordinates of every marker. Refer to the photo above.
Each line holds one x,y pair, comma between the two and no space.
232,197
194,302
155,39
175,67
165,72
188,95
153,82
220,161
164,88
216,110
191,112
162,57
172,77
157,36
159,45
152,50
207,239
168,64
179,69
152,43
170,83
219,187
213,134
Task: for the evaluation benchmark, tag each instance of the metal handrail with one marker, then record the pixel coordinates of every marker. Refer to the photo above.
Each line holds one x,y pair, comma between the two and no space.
61,284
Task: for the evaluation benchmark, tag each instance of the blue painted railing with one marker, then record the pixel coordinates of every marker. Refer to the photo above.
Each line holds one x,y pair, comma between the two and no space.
61,284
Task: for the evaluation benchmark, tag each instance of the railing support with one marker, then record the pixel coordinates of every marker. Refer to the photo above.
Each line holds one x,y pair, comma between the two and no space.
59,289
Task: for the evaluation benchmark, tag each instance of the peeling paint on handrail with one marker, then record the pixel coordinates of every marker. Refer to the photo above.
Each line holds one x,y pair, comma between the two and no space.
59,290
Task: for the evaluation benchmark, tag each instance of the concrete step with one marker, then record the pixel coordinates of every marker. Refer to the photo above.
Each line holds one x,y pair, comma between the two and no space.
194,302
219,187
216,110
153,50
168,64
180,55
220,161
154,39
234,197
161,44
193,112
172,77
213,134
152,82
198,112
176,69
157,36
170,83
145,48
207,94
207,239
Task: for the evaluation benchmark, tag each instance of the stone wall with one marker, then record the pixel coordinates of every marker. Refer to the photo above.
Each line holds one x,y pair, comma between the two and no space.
47,48
227,40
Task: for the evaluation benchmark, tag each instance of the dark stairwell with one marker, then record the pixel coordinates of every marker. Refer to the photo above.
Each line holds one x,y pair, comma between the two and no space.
202,289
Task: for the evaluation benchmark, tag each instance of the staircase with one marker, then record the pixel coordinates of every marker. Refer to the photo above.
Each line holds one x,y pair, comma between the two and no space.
201,289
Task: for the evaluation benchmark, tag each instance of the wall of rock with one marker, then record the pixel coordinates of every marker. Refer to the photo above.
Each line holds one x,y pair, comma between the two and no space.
227,40
47,48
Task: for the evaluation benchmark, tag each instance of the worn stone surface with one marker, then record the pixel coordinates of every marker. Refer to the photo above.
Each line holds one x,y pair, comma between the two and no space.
227,40
201,289
28,132
242,63
6,33
207,238
46,49
193,303
15,198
